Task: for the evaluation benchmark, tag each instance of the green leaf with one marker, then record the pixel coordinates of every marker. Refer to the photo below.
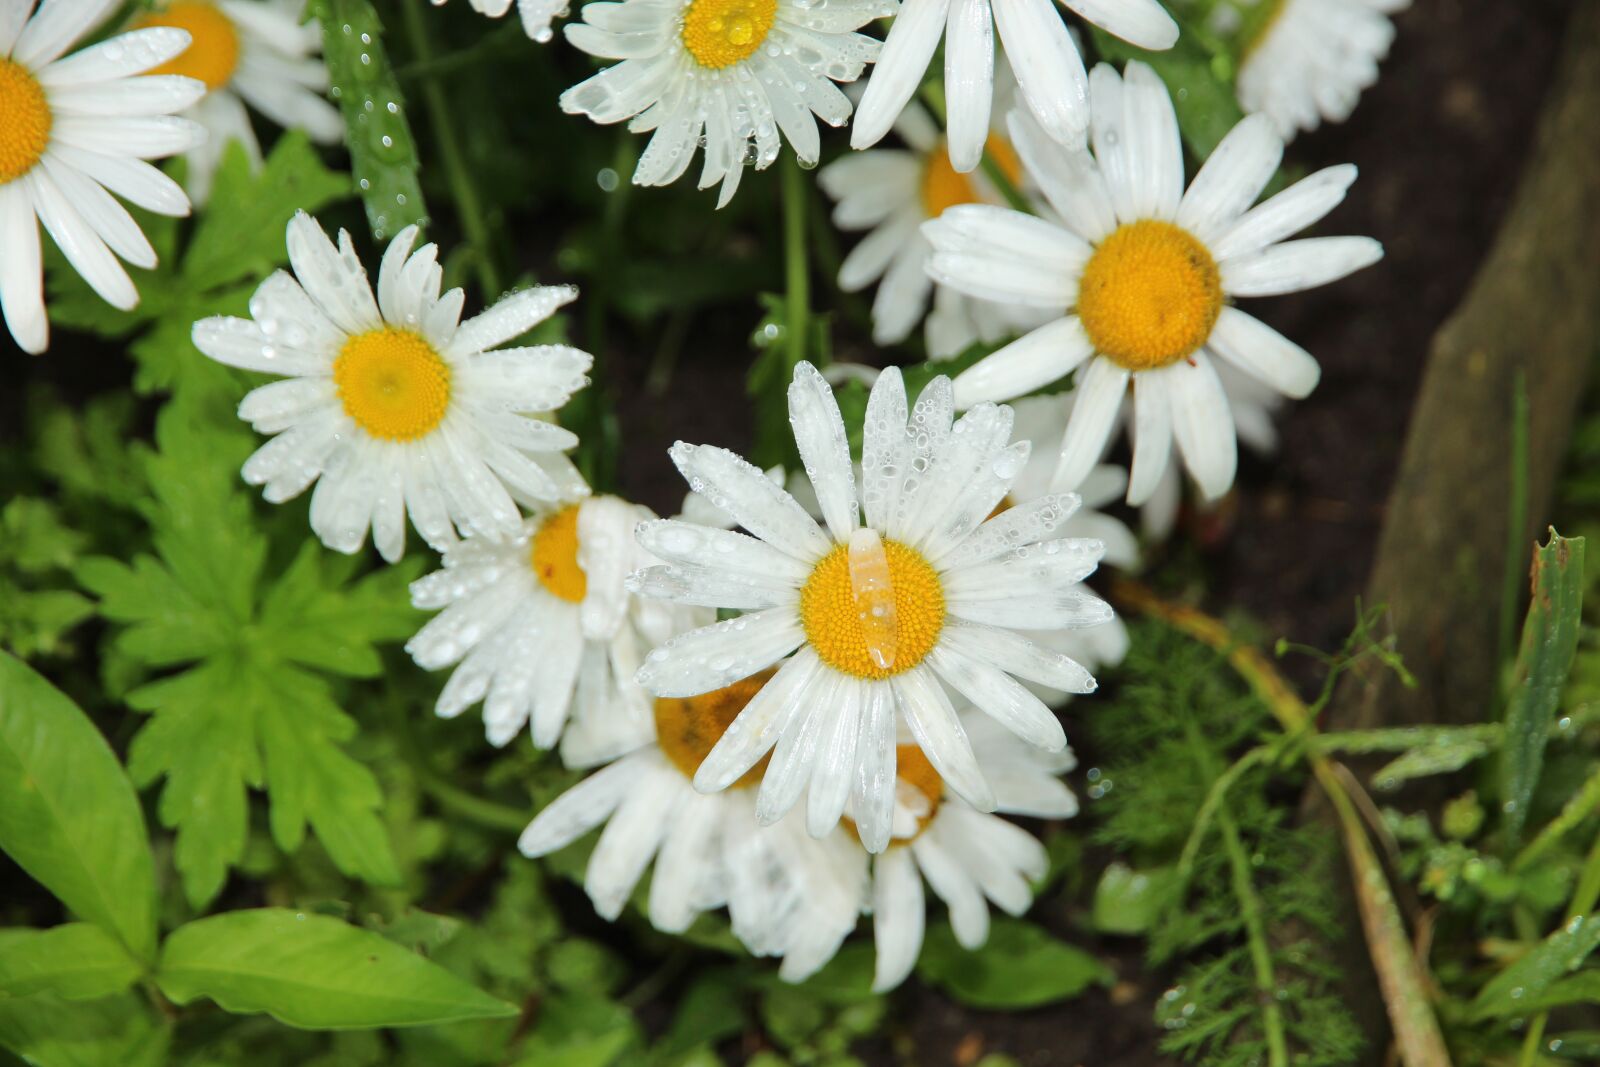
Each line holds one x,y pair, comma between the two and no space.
1127,901
250,712
1436,757
1580,988
1549,639
313,972
111,1032
383,155
581,1031
75,961
68,815
712,1009
1511,991
1020,966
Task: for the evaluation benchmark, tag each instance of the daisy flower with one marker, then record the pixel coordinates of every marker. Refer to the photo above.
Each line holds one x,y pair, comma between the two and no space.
252,52
879,615
969,858
537,15
1146,271
544,631
891,192
1035,42
1309,60
730,75
73,131
787,894
392,405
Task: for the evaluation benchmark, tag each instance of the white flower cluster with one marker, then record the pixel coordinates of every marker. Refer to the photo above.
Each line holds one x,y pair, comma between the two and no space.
877,686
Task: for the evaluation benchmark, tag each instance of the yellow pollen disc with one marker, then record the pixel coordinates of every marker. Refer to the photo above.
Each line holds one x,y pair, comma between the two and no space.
832,614
25,120
392,383
944,187
720,33
554,556
688,727
214,54
1149,295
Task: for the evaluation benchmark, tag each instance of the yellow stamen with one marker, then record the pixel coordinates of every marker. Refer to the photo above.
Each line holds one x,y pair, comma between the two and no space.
392,383
1149,295
688,728
25,120
832,613
720,33
213,55
944,187
554,556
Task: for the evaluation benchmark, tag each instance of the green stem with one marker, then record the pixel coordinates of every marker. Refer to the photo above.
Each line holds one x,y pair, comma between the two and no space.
488,813
797,274
1516,562
1002,181
468,206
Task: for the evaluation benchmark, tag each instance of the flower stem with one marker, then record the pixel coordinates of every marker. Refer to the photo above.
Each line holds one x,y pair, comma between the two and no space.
797,274
468,206
1584,898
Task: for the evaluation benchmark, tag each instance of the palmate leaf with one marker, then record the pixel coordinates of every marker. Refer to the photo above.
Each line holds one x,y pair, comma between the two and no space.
237,240
314,972
253,709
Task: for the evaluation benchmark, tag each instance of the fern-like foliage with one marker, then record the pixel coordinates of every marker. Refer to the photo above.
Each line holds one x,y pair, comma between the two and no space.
1251,915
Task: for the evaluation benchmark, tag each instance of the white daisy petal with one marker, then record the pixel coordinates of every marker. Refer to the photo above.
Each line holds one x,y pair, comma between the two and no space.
1045,355
906,53
1049,70
759,725
1296,265
968,80
1289,212
937,730
1202,424
824,449
714,656
1258,349
1099,398
755,503
1141,22
1152,436
579,810
997,694
897,907
1232,177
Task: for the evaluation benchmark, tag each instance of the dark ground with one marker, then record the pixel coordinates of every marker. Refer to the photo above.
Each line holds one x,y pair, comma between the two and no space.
1440,142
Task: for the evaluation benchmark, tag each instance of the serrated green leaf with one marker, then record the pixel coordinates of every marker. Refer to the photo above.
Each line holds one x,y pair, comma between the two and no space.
68,814
1549,640
313,972
383,154
1020,966
114,1031
1510,992
74,961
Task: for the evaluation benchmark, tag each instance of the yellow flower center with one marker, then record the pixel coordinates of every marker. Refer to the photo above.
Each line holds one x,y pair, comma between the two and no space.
392,383
844,617
213,55
1149,295
25,120
688,728
720,33
944,187
554,556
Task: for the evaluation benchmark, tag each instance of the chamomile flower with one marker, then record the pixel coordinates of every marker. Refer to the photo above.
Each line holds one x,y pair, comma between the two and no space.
1306,61
728,75
537,15
392,405
1146,271
253,52
970,859
891,192
787,894
542,631
879,616
1035,42
73,131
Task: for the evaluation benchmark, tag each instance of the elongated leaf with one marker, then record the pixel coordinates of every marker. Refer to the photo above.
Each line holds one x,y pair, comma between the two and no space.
76,961
1021,966
1580,988
118,1031
383,155
68,814
1436,757
313,972
1512,990
1549,639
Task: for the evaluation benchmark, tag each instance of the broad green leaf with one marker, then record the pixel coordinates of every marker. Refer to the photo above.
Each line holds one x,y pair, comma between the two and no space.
68,814
313,972
1513,989
1020,966
1127,901
247,713
1580,988
75,961
117,1031
1430,758
711,1009
1549,639
383,155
